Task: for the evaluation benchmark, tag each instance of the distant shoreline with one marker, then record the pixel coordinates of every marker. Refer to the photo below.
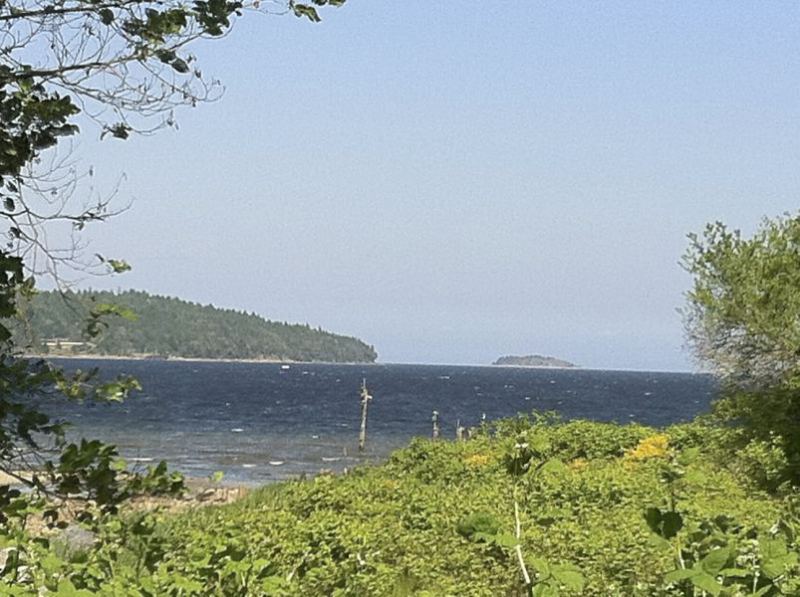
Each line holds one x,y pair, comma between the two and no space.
107,357
116,357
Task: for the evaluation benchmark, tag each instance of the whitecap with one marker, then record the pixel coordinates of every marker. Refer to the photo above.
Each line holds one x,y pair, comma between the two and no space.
237,430
248,466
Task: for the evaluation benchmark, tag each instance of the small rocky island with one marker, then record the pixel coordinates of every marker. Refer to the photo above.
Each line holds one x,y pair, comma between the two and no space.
533,360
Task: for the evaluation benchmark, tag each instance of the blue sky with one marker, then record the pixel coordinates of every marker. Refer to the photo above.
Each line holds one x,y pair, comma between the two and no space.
454,182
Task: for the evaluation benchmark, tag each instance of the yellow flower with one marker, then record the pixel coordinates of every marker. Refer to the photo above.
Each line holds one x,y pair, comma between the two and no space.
477,460
578,464
655,446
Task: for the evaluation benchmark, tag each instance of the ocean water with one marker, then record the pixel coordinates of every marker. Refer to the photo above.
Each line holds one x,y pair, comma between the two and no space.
261,422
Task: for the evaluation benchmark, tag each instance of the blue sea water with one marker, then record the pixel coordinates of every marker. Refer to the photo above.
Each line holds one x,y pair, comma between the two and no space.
260,422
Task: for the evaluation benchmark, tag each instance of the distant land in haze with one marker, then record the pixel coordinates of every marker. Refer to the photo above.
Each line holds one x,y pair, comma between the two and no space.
162,327
533,360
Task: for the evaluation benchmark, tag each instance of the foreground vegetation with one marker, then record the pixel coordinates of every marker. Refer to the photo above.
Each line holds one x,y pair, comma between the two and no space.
603,509
531,507
163,326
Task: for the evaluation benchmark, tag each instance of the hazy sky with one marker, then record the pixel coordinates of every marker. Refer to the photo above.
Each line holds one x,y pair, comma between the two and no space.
452,182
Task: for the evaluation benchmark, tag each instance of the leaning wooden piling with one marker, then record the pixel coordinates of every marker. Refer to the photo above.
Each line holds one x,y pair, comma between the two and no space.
365,398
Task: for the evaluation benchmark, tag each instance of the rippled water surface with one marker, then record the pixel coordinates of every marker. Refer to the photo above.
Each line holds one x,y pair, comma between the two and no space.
258,422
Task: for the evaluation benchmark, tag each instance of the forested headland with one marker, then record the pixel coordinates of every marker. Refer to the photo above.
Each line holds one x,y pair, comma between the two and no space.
141,324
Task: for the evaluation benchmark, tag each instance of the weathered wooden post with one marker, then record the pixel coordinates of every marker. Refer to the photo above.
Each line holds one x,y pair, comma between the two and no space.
459,431
436,424
365,398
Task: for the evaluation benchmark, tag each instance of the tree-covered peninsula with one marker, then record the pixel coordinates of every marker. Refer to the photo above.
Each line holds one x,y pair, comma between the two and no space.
141,324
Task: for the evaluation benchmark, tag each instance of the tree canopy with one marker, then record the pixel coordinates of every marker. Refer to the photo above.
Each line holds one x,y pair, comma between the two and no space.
167,327
743,321
744,310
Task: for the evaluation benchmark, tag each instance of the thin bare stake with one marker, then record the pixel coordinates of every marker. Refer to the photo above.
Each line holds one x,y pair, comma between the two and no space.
518,547
365,398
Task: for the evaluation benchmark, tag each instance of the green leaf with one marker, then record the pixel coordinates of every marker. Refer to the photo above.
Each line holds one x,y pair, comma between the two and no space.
672,522
696,477
303,10
67,589
653,518
774,567
485,537
706,582
568,575
119,266
735,573
506,540
553,466
545,590
186,584
106,16
771,548
775,556
540,566
715,561
688,456
679,574
180,65
539,444
271,584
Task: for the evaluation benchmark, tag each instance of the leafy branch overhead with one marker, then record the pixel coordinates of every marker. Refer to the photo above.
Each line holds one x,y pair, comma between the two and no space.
126,65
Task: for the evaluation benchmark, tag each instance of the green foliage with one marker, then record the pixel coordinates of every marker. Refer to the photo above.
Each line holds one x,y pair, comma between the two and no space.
744,321
716,555
137,323
438,519
478,526
744,306
551,578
